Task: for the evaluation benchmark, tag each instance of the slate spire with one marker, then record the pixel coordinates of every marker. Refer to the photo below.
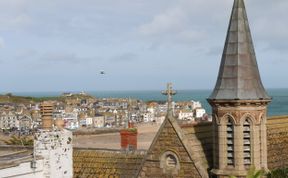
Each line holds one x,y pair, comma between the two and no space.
239,76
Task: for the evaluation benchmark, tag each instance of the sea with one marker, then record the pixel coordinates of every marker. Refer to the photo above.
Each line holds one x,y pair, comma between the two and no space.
278,106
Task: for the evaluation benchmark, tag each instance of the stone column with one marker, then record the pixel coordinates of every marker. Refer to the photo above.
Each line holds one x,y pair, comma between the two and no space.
238,147
263,133
222,146
215,145
255,140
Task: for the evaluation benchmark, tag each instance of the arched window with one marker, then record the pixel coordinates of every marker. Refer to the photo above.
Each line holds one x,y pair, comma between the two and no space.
230,142
169,162
247,142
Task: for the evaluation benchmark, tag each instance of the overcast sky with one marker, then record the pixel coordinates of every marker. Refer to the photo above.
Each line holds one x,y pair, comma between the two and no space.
62,45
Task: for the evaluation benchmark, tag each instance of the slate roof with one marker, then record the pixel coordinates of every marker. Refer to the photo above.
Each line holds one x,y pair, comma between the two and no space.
239,76
105,163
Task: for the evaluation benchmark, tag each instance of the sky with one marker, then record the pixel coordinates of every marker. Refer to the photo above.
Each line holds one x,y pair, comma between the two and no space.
62,45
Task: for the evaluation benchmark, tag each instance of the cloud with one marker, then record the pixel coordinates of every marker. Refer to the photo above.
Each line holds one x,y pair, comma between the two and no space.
124,57
172,20
183,23
65,57
15,21
2,43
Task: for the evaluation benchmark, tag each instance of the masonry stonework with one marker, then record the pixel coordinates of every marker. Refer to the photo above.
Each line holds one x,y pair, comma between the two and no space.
168,140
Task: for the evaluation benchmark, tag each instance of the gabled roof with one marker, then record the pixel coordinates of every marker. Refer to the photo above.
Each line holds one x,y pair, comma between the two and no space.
239,76
168,139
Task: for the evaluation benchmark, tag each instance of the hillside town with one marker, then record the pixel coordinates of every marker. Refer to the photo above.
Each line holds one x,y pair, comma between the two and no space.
76,135
80,111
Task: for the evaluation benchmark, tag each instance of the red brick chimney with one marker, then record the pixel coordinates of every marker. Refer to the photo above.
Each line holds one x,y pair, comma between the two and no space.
129,139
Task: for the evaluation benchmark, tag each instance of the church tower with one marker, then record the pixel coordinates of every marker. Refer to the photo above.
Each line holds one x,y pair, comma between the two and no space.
239,102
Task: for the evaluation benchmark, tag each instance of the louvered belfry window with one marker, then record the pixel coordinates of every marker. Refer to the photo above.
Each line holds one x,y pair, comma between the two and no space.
247,142
230,142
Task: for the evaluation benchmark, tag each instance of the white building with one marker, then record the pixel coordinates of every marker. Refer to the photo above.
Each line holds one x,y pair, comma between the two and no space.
99,121
199,112
71,120
195,105
148,117
8,120
52,158
186,115
89,121
20,166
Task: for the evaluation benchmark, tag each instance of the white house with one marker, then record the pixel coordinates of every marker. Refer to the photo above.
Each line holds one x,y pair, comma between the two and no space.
199,112
195,105
148,117
186,115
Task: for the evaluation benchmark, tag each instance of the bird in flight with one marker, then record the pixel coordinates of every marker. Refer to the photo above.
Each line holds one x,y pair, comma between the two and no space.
102,72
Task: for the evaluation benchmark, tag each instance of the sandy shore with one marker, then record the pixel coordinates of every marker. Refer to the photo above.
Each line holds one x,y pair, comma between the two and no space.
146,133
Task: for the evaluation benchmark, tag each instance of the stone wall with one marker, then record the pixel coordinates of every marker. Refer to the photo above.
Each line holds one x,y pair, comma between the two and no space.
201,139
277,142
167,141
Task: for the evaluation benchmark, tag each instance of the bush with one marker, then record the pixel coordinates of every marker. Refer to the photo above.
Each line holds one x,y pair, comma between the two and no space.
278,173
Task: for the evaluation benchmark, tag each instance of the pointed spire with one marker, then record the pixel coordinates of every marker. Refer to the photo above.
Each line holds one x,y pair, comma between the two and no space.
239,76
169,92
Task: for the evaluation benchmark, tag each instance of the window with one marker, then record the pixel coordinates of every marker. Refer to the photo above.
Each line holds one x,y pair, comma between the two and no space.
169,162
230,142
247,142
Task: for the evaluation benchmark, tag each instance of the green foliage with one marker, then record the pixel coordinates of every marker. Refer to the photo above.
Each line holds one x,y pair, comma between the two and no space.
253,173
278,173
134,130
9,98
25,141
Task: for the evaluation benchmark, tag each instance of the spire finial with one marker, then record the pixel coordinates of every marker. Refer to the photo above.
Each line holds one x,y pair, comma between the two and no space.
169,92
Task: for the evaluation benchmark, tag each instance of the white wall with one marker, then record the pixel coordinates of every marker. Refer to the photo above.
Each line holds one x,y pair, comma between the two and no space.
24,170
56,149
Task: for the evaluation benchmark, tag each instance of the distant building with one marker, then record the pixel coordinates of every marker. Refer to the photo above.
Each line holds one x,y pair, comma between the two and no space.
199,112
186,115
148,117
8,119
195,105
98,121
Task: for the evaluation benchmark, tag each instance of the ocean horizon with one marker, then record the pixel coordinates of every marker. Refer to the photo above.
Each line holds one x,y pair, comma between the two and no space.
278,106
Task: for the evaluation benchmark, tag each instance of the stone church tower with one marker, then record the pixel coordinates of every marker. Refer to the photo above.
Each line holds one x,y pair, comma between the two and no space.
239,103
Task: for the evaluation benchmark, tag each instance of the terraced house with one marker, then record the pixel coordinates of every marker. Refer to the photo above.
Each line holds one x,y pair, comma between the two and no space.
239,137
